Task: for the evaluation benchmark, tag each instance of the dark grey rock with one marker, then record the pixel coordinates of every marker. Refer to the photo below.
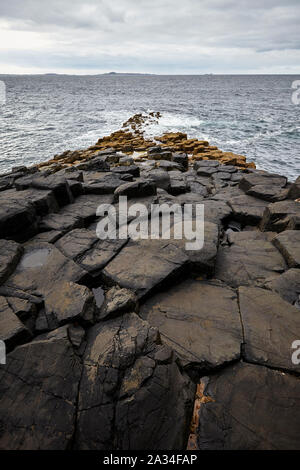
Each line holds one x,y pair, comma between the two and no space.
251,258
200,320
58,185
12,330
38,394
270,326
143,265
262,178
248,407
288,243
129,399
10,254
287,285
278,215
140,188
247,209
118,301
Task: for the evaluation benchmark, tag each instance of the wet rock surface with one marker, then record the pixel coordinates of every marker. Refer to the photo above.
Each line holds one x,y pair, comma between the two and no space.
108,337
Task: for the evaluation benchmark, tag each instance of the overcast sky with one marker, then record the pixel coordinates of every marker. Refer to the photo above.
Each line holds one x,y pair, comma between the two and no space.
158,36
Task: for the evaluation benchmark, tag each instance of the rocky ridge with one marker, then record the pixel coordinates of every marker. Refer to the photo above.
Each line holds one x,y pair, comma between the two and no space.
111,342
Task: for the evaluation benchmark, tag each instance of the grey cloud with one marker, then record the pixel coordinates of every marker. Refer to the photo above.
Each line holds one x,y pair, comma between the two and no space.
190,34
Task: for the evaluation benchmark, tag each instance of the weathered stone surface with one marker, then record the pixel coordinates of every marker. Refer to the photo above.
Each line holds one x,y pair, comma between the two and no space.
76,242
287,285
169,166
12,330
249,407
132,394
216,211
160,177
95,164
38,394
247,209
288,243
133,170
178,183
270,327
143,265
41,268
262,178
60,222
10,254
294,190
182,159
251,258
277,215
99,255
200,321
140,188
71,302
118,301
58,185
102,183
268,193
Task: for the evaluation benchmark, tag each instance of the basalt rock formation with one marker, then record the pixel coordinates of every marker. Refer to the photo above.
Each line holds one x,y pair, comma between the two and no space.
124,343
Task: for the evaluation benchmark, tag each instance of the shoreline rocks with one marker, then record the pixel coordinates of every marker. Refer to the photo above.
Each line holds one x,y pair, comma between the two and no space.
106,338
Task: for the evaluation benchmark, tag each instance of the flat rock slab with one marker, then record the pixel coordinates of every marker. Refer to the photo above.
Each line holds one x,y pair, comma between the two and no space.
278,215
200,321
287,285
249,407
288,243
12,330
104,183
38,394
262,178
270,325
267,193
247,209
250,259
41,267
143,265
132,393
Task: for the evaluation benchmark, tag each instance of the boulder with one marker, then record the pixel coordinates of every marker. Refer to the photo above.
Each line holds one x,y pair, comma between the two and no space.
38,394
102,183
267,193
71,303
139,188
287,285
133,170
278,215
132,394
12,330
248,407
118,301
288,243
200,321
58,185
270,326
247,209
10,254
262,178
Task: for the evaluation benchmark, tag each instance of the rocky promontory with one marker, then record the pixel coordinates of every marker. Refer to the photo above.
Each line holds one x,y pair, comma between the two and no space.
140,343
